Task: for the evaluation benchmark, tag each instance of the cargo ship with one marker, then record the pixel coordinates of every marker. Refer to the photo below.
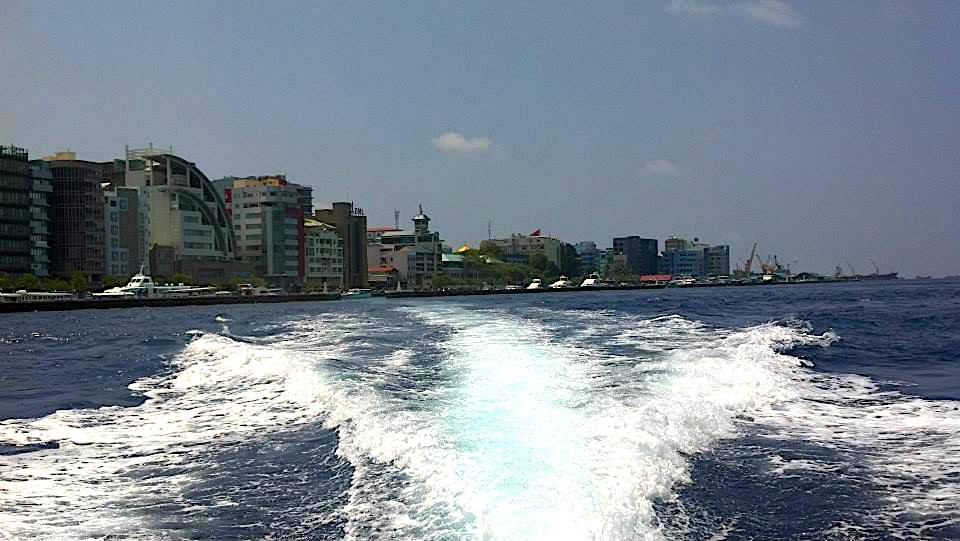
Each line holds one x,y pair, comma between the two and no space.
878,276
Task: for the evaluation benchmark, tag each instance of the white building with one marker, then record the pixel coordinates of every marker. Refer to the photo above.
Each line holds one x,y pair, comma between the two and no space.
414,253
186,211
324,254
268,222
519,248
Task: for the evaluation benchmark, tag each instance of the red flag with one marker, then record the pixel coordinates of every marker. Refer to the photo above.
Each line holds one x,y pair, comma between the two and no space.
535,233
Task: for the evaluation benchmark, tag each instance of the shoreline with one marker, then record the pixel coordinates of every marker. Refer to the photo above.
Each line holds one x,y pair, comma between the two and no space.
474,292
104,304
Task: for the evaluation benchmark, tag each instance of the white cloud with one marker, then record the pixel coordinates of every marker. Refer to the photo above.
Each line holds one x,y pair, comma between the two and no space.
454,142
769,12
660,167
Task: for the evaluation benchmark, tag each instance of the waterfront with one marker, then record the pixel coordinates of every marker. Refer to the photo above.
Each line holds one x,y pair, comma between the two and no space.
823,412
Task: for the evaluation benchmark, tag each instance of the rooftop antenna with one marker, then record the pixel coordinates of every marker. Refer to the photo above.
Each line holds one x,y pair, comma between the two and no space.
396,218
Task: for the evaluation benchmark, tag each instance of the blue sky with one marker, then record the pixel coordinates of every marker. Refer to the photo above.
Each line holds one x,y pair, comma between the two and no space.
828,132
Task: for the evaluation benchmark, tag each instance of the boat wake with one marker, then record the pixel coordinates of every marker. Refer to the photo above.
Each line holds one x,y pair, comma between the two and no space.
456,422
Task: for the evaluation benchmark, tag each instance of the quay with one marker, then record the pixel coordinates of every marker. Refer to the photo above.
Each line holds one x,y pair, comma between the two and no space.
103,303
107,303
473,292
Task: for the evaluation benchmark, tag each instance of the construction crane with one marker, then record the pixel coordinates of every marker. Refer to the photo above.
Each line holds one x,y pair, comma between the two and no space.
749,263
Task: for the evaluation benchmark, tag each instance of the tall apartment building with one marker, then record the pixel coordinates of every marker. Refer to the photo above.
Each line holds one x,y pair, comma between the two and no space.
640,254
76,217
15,245
351,225
42,187
126,220
268,222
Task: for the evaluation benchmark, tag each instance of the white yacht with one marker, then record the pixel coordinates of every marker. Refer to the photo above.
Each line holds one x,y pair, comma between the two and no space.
592,280
561,282
143,286
536,284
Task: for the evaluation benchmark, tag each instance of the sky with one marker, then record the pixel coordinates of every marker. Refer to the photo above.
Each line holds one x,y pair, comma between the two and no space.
827,132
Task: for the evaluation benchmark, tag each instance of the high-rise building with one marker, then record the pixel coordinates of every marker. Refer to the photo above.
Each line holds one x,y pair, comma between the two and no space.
126,221
717,260
42,187
15,245
640,254
351,225
304,198
588,256
76,217
268,222
186,211
682,257
682,262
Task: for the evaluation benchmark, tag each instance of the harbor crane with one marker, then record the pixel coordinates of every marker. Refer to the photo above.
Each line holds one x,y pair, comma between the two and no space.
748,265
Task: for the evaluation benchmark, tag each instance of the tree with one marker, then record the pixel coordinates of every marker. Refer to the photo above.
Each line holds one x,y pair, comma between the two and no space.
5,281
28,281
490,248
56,284
441,280
114,281
551,269
79,282
538,260
181,278
619,271
568,261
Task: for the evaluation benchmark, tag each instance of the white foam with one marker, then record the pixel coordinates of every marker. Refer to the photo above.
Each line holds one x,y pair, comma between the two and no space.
516,433
221,392
909,446
552,442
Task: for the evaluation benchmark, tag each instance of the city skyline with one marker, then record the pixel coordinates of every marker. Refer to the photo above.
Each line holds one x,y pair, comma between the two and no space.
826,133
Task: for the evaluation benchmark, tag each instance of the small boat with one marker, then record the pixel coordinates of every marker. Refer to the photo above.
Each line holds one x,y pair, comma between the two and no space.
536,284
357,293
592,280
561,283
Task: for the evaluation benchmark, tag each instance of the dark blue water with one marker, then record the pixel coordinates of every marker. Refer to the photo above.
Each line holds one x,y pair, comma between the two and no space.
782,412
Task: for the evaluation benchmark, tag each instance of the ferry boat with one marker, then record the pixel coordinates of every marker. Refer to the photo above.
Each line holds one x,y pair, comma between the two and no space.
143,286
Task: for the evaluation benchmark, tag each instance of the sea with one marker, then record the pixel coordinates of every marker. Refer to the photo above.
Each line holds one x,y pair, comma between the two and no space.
820,411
